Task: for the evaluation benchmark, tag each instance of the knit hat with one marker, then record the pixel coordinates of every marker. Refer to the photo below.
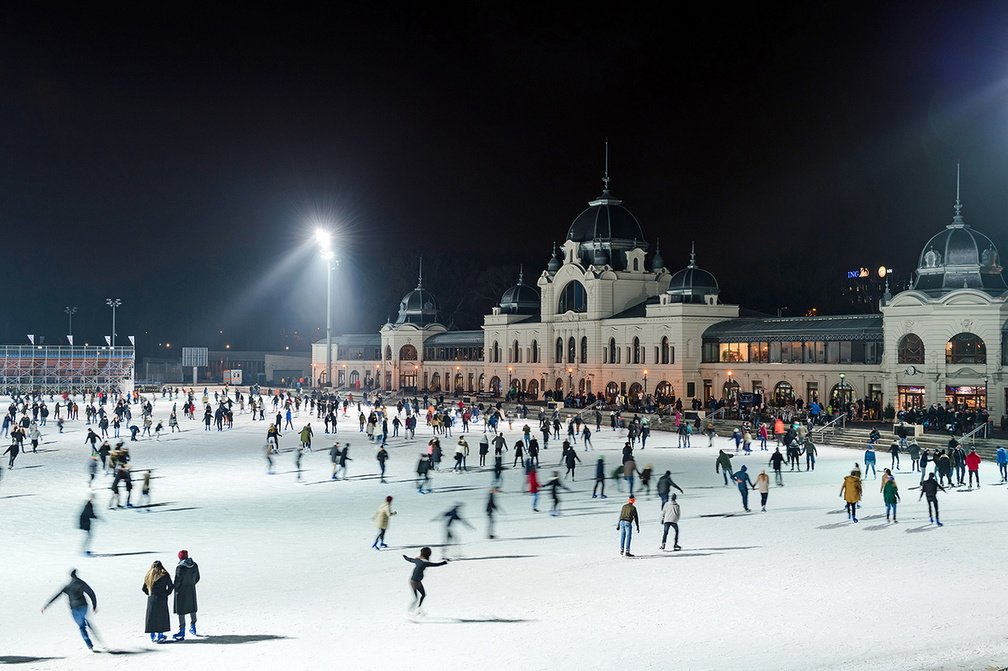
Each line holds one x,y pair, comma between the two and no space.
388,499
632,499
183,554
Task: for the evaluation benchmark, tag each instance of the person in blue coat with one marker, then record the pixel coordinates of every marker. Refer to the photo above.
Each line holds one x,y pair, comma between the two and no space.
1002,461
869,461
744,483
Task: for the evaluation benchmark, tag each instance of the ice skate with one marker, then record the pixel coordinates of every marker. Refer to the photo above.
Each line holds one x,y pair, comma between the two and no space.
676,548
180,636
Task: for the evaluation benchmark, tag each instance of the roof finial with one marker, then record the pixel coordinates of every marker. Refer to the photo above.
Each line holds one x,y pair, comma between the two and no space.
521,273
958,205
692,254
419,284
605,178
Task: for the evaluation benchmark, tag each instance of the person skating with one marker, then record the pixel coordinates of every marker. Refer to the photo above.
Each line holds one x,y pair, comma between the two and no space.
627,518
13,450
145,500
87,514
890,496
382,457
298,455
763,487
157,586
665,485
810,454
869,461
777,462
723,464
269,458
599,477
381,519
973,467
420,564
533,488
554,485
186,576
491,510
850,491
450,517
423,474
76,590
929,488
334,456
306,435
344,457
894,450
670,519
744,483
629,471
1001,456
484,450
570,459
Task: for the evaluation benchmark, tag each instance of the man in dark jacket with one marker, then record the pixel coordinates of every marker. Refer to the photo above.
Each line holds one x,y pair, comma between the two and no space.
76,590
87,514
186,577
665,485
599,477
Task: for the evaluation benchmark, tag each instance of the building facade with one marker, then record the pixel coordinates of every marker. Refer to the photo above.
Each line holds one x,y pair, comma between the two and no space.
605,316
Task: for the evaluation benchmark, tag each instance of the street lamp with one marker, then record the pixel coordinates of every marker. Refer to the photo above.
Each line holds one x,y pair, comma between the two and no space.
324,239
113,303
843,396
70,313
570,379
645,382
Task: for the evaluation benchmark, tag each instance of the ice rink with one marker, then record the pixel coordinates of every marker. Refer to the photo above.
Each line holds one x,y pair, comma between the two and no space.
289,579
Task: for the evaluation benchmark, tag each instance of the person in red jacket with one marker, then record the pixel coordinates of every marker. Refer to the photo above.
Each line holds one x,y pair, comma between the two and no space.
973,466
533,486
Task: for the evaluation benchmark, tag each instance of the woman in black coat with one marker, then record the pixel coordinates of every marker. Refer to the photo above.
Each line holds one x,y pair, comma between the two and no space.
157,586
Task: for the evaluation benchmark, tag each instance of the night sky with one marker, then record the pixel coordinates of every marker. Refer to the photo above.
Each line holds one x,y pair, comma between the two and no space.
180,158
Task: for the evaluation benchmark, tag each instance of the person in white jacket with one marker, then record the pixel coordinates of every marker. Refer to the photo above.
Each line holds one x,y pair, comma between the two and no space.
670,518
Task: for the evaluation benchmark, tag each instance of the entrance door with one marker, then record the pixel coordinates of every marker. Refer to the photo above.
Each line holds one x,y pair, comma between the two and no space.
972,398
910,397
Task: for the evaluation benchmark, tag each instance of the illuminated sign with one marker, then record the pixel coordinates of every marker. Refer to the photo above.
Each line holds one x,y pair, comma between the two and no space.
860,272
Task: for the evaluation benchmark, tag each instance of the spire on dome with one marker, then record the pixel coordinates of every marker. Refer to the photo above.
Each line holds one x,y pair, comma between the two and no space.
692,255
419,284
521,273
605,177
958,220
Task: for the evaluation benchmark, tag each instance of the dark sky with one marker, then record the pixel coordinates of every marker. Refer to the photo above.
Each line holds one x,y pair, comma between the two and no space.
178,157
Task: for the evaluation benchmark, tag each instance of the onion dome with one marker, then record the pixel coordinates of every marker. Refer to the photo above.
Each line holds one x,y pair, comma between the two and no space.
657,262
554,262
959,257
521,299
692,284
419,307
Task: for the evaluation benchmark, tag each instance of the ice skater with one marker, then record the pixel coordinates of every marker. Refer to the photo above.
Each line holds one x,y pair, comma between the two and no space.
76,590
890,496
299,454
665,485
554,485
491,510
776,463
343,458
744,483
600,477
381,519
723,464
423,474
157,586
269,458
850,491
420,564
670,519
627,518
13,450
382,457
450,517
929,488
87,514
186,576
570,458
763,487
869,461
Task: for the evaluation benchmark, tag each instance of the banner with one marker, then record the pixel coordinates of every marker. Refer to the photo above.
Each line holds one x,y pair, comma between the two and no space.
132,340
70,338
108,340
31,338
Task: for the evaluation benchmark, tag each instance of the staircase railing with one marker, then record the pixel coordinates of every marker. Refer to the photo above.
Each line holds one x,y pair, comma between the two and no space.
972,435
719,413
840,421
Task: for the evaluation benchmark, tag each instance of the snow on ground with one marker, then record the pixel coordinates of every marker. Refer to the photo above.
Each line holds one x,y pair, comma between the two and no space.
289,579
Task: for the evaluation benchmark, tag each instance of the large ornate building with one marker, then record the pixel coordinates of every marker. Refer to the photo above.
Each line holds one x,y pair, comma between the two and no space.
606,316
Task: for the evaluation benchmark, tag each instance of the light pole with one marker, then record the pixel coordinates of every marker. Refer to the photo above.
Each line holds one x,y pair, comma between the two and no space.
570,379
324,238
731,389
509,383
70,310
645,383
113,303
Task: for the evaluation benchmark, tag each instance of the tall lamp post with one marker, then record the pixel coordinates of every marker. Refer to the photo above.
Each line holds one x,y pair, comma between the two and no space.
731,389
70,310
113,303
324,238
843,395
645,383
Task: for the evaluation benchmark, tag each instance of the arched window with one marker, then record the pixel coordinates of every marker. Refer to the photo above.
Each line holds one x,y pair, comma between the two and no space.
571,350
573,297
388,352
495,386
783,394
664,392
534,352
354,379
435,382
612,350
636,392
636,264
515,352
666,351
407,353
965,348
611,390
495,353
559,351
910,349
842,395
584,349
636,350
730,389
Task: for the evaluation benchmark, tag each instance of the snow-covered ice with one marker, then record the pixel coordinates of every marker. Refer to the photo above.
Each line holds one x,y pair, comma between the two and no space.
289,580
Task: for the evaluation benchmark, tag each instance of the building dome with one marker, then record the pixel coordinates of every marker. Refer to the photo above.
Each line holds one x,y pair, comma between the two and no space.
521,299
959,257
555,262
606,231
419,307
692,284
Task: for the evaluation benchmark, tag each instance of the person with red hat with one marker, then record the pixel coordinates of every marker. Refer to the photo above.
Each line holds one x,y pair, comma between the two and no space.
628,516
186,576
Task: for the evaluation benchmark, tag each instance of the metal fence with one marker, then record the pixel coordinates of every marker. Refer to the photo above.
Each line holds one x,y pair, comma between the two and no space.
64,368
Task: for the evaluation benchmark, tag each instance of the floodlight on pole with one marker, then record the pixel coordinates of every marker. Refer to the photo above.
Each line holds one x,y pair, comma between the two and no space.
324,239
71,310
113,303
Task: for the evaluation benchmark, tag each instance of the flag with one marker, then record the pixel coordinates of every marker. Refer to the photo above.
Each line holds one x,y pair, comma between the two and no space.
70,338
31,338
108,340
132,340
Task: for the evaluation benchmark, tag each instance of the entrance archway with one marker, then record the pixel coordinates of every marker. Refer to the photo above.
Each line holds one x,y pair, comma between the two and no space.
495,385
